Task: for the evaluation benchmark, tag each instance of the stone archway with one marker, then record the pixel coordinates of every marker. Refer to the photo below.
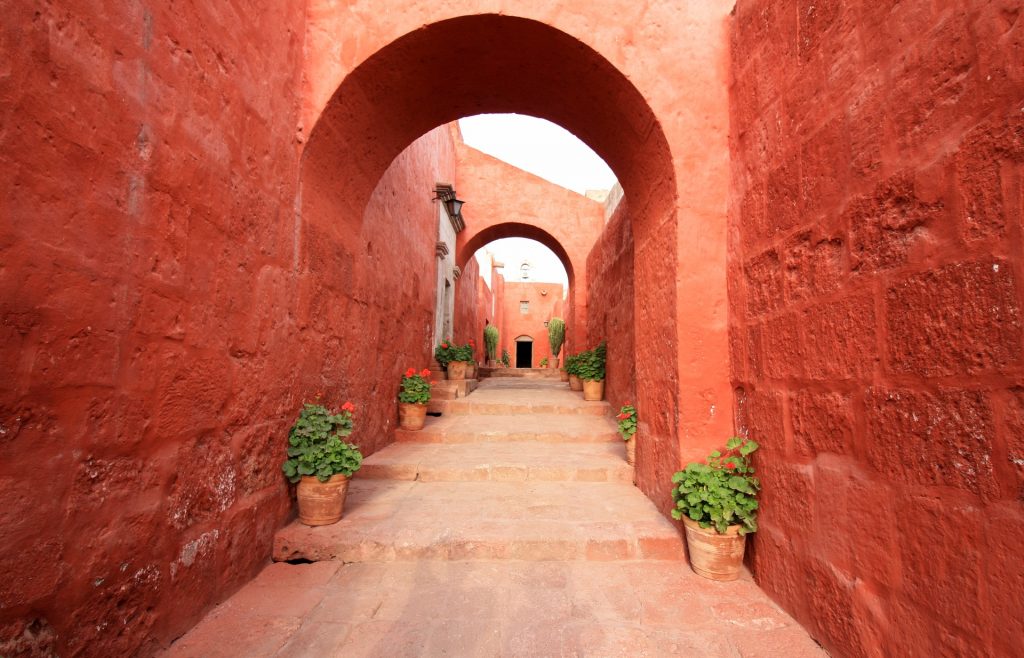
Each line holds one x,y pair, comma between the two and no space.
395,95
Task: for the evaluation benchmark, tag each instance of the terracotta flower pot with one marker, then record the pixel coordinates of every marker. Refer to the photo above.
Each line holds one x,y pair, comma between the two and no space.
411,415
471,370
552,363
575,383
631,450
321,503
457,369
593,391
713,555
563,375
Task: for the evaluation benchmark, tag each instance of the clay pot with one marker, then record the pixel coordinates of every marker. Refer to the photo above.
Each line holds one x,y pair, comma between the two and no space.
552,363
321,503
411,415
631,451
563,375
593,391
457,369
575,383
471,370
712,555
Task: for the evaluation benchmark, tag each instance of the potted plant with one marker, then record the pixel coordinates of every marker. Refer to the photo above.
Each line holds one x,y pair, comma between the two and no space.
413,399
321,462
556,336
717,502
506,359
458,364
445,354
491,344
591,371
544,362
572,365
627,430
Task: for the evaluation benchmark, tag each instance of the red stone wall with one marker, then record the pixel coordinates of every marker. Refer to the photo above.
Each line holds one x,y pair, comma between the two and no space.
876,273
611,318
164,312
147,168
378,308
473,305
543,307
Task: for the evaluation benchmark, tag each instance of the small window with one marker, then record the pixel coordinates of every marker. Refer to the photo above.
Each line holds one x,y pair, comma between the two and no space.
524,272
524,307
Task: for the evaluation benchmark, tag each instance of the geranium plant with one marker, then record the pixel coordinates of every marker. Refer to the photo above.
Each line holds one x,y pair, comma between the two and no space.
415,387
544,362
721,492
627,421
445,352
316,446
463,353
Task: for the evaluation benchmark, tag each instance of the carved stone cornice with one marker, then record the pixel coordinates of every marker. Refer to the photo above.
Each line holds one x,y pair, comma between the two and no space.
441,249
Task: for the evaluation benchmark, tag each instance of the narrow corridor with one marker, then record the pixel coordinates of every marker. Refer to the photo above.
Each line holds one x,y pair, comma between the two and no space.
507,527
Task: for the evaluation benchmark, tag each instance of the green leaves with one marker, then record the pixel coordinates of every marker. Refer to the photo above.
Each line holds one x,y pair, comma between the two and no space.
556,335
315,445
415,390
491,341
722,492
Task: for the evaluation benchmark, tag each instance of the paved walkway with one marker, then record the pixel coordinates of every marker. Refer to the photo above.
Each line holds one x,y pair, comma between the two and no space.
508,527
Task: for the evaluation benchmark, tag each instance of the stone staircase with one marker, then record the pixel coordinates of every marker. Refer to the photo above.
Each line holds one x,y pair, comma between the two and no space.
522,470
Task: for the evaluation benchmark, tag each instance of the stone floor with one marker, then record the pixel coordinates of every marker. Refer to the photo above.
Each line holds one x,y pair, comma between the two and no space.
508,527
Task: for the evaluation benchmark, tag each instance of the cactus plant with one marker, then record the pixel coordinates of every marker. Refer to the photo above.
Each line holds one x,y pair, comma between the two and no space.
491,341
556,335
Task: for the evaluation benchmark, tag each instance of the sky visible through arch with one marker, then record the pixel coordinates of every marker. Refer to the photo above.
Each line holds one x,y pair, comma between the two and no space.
546,150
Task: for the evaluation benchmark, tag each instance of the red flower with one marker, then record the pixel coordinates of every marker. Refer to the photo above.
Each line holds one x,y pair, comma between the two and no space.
444,345
425,372
349,407
471,343
622,416
730,465
410,372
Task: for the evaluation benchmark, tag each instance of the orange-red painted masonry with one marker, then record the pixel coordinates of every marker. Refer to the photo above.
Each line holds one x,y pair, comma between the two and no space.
209,216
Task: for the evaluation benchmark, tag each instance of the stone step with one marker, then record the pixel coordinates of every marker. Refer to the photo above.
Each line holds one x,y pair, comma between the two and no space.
466,462
510,397
521,373
387,520
550,428
451,389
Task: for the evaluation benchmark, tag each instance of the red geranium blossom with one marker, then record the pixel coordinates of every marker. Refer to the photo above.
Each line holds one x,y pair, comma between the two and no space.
349,407
730,465
410,372
425,372
444,345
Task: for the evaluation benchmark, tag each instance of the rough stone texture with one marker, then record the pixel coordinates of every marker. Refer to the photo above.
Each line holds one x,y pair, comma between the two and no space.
875,247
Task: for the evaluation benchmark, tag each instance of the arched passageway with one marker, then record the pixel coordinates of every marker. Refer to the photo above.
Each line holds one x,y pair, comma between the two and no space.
402,91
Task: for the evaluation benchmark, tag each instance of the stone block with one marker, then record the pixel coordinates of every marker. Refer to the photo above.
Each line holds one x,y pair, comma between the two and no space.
780,347
764,283
925,438
887,225
822,423
962,318
945,582
839,339
812,266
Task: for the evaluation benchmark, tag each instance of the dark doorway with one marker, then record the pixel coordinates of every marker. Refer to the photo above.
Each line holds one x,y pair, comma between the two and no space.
524,353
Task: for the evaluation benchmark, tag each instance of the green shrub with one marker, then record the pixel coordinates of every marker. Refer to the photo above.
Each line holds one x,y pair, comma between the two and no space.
315,445
445,352
627,421
722,492
544,362
462,353
506,359
556,335
591,365
415,387
491,341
